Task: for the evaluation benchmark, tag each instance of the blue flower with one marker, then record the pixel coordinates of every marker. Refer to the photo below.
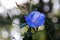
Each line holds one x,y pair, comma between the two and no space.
35,19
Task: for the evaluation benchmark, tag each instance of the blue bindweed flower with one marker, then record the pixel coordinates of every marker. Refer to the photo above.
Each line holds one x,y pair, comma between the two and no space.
35,19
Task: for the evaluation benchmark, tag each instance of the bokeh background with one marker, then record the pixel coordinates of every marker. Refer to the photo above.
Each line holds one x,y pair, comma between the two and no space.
12,20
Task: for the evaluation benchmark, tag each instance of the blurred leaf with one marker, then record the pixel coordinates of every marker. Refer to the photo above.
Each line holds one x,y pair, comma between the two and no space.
40,35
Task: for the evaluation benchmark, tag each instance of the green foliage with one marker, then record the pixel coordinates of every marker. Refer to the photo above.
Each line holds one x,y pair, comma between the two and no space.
40,35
